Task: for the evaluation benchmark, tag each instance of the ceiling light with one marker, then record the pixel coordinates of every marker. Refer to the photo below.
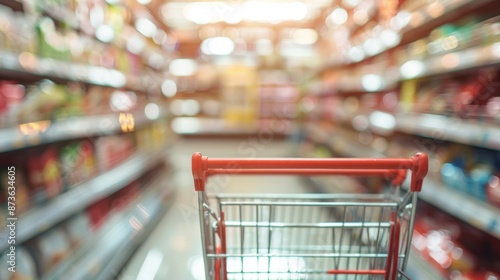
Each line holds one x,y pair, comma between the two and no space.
372,82
183,67
351,3
169,88
135,45
152,111
105,33
201,13
412,69
217,46
145,27
305,36
338,17
390,38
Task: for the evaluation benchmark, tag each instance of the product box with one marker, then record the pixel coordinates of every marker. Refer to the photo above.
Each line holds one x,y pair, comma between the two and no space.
11,96
125,196
77,162
113,150
22,195
98,212
44,174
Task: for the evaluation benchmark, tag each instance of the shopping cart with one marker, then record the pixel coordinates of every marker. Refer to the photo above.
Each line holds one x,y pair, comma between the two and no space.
308,236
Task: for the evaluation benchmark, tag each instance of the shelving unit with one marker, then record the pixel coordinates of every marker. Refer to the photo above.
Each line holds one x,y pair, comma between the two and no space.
481,56
425,20
471,132
472,211
340,184
42,132
475,132
106,248
103,253
29,66
82,195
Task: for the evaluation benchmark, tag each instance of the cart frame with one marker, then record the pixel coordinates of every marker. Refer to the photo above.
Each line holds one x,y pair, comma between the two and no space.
385,222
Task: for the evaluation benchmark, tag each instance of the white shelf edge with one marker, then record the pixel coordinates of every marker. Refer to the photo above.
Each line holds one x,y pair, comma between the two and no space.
355,150
480,56
417,266
71,71
41,218
470,210
68,129
107,245
443,128
450,129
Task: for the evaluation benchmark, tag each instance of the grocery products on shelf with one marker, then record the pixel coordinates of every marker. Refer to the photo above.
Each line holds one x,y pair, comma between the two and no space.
456,249
58,244
420,78
77,161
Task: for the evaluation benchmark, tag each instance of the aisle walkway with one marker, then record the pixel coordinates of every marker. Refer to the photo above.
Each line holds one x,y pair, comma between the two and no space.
173,250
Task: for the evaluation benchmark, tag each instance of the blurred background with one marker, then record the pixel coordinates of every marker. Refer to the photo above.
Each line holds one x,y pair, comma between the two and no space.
102,104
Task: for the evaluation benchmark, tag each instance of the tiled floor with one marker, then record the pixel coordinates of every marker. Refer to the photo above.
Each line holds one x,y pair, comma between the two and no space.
173,250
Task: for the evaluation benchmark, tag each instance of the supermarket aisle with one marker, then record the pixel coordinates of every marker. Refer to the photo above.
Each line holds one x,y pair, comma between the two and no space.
173,250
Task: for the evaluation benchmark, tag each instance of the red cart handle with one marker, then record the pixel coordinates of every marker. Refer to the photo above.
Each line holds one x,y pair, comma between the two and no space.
202,167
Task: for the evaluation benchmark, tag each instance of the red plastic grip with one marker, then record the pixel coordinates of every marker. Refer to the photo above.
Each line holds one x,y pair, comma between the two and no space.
202,167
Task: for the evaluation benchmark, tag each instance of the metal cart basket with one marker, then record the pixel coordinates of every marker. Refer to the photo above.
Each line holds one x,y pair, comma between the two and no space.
308,236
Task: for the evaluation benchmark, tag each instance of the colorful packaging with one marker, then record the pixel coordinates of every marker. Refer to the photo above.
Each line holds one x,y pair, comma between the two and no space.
74,104
113,150
44,175
22,195
125,196
41,101
77,162
11,96
98,212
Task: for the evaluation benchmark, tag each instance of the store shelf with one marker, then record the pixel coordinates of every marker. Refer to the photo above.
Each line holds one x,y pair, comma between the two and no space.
339,143
420,269
470,132
467,59
13,4
29,66
41,218
422,22
42,132
481,56
222,127
442,128
103,254
429,17
417,268
475,212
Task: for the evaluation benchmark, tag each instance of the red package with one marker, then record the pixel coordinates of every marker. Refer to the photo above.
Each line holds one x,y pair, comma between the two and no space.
98,212
44,175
